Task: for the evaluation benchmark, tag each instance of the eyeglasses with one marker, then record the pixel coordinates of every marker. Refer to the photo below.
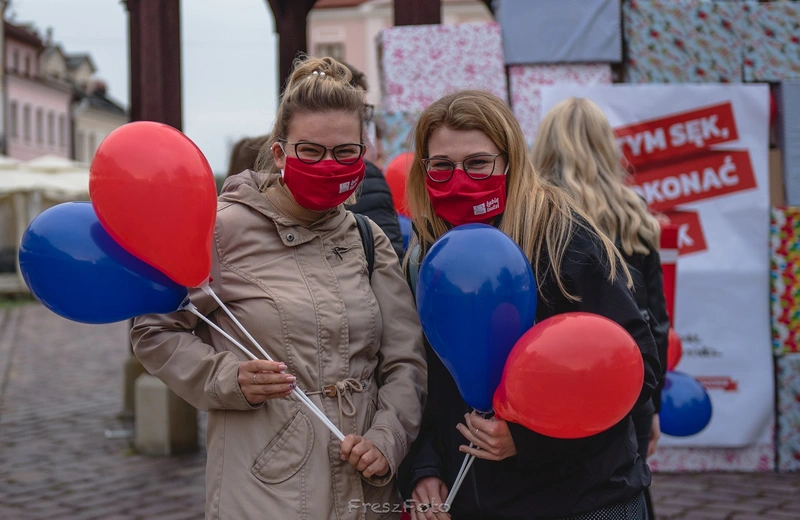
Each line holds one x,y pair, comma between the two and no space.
311,153
369,112
477,167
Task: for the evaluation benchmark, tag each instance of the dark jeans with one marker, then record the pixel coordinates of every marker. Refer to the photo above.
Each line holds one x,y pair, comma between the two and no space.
643,424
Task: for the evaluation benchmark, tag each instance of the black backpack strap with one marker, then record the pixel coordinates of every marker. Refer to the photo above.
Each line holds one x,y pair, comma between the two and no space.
368,241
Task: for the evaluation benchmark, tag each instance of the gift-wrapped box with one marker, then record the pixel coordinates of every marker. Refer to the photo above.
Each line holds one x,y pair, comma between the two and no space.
685,41
421,63
395,133
788,372
560,31
787,102
756,458
772,42
785,279
526,82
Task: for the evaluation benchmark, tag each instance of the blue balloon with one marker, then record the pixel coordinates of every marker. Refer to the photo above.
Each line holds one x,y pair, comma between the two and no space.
476,297
79,272
685,406
405,228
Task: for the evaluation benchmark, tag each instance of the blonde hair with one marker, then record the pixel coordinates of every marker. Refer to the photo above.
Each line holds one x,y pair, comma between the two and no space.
315,85
539,216
576,149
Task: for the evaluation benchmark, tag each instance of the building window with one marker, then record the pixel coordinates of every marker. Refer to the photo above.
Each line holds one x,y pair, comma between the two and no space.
15,61
12,116
28,70
334,50
26,122
51,128
39,126
79,146
92,146
62,131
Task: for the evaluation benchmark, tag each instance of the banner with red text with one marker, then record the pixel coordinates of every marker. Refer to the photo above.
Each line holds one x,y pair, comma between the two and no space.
699,154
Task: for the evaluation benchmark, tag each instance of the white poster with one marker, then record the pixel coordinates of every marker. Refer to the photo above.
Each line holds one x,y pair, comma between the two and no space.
699,153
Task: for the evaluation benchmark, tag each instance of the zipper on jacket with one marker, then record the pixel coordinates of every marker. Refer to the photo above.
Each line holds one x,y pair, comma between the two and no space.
338,250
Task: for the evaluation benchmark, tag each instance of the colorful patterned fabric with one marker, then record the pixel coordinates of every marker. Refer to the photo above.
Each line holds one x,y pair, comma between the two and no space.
396,132
685,41
421,63
772,42
788,372
526,82
785,279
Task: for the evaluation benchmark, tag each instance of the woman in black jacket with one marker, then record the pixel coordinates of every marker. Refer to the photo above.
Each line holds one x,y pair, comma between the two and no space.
576,149
471,165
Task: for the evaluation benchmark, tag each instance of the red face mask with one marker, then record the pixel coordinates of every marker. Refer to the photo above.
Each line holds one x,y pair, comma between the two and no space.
463,200
323,185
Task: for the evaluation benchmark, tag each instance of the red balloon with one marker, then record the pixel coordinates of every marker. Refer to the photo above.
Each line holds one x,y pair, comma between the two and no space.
674,350
154,193
571,376
396,175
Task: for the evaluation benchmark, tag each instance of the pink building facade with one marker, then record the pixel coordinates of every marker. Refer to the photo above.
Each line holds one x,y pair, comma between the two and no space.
37,109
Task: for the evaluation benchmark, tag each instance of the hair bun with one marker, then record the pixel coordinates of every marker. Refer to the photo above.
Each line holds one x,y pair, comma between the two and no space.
309,68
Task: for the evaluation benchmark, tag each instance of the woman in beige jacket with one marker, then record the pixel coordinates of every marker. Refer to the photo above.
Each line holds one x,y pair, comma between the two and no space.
288,261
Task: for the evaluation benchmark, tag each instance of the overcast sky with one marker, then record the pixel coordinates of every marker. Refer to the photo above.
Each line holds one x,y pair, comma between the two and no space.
229,60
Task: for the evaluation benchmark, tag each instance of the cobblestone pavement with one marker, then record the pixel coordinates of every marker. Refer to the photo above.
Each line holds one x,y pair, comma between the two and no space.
61,391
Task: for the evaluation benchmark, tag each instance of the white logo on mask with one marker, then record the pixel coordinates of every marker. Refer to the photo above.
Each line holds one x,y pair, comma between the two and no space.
343,187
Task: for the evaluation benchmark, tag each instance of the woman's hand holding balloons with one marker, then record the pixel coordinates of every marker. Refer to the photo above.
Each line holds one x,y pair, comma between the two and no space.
261,380
428,497
491,436
364,456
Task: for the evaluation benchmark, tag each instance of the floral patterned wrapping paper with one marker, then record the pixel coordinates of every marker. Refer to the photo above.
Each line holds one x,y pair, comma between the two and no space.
757,458
685,41
419,64
396,129
785,279
772,42
788,371
526,82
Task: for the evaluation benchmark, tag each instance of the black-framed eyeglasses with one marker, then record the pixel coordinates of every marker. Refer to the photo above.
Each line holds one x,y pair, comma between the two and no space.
477,167
311,153
369,112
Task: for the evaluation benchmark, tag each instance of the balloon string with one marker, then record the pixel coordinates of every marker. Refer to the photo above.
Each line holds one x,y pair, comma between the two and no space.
296,392
462,474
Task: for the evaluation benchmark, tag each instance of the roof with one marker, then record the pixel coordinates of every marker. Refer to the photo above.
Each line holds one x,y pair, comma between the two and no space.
23,34
100,101
52,49
74,61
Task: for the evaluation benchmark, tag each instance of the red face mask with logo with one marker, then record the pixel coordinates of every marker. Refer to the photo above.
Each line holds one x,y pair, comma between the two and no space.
323,185
463,200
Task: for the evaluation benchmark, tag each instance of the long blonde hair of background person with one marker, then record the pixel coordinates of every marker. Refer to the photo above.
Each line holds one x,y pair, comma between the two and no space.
575,148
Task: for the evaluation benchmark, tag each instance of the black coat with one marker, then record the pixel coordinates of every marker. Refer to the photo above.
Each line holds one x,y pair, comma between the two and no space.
648,281
375,201
548,478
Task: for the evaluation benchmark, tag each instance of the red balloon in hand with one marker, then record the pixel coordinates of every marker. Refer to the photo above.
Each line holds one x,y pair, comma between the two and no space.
674,350
571,376
154,193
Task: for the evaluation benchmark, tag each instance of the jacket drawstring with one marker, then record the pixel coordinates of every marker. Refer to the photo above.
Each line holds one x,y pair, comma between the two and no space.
343,391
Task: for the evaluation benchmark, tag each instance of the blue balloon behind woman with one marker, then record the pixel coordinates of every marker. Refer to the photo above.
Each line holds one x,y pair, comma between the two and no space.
79,272
685,406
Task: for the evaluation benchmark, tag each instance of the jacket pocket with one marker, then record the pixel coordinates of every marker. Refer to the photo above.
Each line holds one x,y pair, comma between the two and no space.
287,452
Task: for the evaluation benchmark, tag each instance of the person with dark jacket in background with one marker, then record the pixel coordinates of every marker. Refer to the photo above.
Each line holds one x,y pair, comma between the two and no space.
576,149
470,149
375,198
